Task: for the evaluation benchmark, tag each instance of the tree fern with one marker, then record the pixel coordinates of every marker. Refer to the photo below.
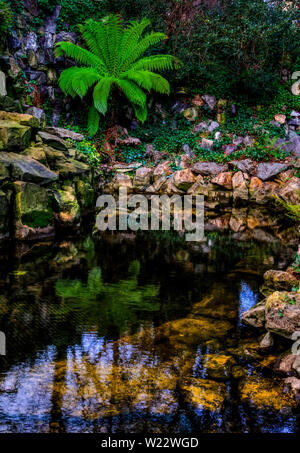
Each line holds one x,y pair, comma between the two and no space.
113,57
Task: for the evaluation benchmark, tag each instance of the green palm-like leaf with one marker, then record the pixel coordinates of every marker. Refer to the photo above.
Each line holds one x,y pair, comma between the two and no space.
113,58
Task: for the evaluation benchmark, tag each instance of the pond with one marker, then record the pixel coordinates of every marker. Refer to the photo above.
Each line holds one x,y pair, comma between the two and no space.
137,333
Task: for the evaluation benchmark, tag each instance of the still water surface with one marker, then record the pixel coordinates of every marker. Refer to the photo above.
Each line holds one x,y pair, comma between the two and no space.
137,334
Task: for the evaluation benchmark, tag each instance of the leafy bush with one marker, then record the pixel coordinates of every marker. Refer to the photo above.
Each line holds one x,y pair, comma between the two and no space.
5,21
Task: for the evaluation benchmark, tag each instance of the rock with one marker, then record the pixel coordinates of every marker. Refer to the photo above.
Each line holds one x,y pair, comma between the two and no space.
206,394
290,192
268,170
285,364
255,316
70,168
53,141
293,384
85,195
37,113
36,153
50,22
197,100
262,192
295,89
142,178
14,136
31,41
24,168
208,126
38,76
122,180
267,341
184,179
20,118
32,59
280,280
206,143
64,133
51,76
66,206
210,100
283,313
223,179
185,161
190,114
4,214
290,145
163,169
280,118
229,149
237,140
209,168
33,211
240,187
10,105
66,36
248,141
294,121
47,43
198,187
245,165
3,91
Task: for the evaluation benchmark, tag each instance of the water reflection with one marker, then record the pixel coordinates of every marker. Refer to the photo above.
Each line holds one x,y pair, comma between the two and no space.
117,336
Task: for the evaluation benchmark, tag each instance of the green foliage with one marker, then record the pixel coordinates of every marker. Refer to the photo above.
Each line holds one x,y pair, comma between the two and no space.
114,59
6,20
291,210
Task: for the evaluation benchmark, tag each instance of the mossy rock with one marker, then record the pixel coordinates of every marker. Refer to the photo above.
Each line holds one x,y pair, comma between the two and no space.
66,206
32,205
85,194
36,153
14,136
4,214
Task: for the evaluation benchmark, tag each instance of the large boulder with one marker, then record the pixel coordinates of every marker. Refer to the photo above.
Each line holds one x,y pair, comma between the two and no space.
24,168
33,211
255,316
223,179
37,113
245,165
24,119
209,168
262,192
14,136
283,313
280,280
268,170
290,145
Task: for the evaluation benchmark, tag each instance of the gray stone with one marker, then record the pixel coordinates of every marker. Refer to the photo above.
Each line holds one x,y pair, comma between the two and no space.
50,22
268,170
294,121
38,113
290,145
38,76
206,143
210,100
255,317
229,149
66,36
24,168
267,342
238,140
209,168
245,165
295,114
31,41
53,140
64,133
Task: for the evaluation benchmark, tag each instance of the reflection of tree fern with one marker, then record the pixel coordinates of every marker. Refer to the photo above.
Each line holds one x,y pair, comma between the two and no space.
292,210
116,302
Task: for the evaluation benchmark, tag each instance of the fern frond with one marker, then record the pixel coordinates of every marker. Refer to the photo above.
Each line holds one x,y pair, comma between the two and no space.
80,55
131,37
140,112
149,81
93,121
132,91
157,63
149,40
77,81
101,93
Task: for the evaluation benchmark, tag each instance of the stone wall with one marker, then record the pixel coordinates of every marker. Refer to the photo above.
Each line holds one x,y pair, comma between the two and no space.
45,186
